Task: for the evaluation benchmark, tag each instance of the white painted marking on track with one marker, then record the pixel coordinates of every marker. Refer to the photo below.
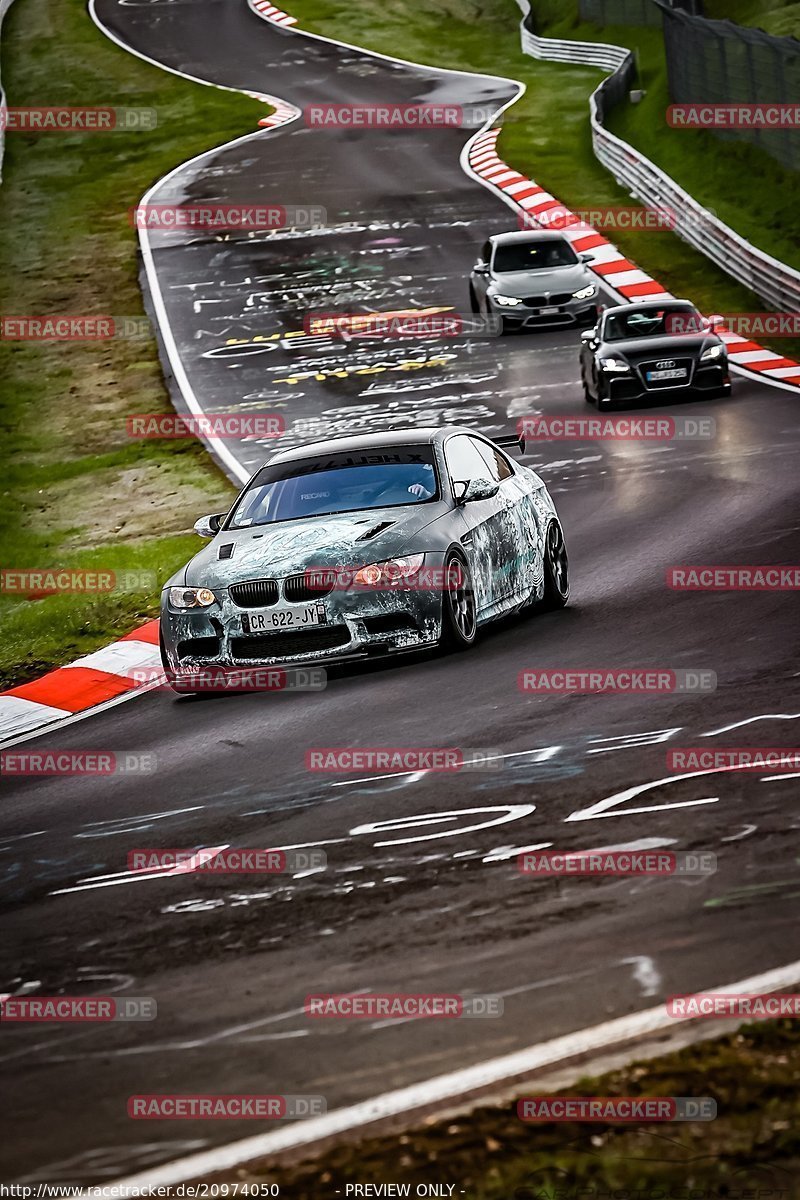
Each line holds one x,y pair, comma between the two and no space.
751,721
506,812
645,973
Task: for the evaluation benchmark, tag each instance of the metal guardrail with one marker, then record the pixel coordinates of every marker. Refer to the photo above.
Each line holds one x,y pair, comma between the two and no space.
777,284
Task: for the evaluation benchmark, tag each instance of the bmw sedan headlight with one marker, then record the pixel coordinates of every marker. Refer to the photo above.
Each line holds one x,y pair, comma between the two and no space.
585,293
616,365
393,573
506,301
187,597
712,353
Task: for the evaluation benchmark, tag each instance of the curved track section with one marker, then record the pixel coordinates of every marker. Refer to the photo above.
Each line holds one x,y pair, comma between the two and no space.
420,892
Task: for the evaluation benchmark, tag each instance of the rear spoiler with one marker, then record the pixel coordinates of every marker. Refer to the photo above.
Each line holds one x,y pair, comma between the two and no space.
511,440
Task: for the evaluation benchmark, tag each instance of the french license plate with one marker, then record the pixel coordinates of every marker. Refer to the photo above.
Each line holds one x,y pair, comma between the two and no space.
282,617
549,310
681,373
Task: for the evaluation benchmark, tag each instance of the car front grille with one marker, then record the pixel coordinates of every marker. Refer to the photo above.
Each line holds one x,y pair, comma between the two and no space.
556,298
655,384
289,644
258,593
311,585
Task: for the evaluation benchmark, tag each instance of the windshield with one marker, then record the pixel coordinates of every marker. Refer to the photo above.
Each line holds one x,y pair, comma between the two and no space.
653,322
338,483
534,255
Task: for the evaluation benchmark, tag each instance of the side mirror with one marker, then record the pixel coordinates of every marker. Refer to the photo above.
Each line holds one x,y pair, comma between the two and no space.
207,527
476,489
589,335
481,268
586,257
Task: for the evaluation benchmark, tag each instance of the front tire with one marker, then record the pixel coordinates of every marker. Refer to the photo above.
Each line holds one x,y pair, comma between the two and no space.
459,610
473,300
556,569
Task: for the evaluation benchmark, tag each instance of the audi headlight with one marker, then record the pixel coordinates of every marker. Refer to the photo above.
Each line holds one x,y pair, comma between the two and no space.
617,365
712,353
585,293
395,572
187,597
506,301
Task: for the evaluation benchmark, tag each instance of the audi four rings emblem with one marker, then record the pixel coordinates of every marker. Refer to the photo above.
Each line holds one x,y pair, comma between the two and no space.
666,363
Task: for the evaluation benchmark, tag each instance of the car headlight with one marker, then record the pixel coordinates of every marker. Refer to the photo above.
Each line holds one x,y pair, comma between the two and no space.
713,352
585,293
506,301
187,597
614,364
393,573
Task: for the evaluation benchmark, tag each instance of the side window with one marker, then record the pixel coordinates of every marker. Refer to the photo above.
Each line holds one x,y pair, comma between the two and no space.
486,252
464,460
499,467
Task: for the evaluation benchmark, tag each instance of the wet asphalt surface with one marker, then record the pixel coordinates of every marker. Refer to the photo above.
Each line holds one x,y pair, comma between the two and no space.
405,904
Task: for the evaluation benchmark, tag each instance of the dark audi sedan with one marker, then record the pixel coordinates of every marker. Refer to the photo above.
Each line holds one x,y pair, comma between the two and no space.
645,351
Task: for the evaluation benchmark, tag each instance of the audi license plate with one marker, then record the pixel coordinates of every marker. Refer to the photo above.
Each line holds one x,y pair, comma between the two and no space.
282,617
681,373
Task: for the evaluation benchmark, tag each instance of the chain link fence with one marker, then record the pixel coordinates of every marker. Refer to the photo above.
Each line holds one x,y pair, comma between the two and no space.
777,284
632,12
717,62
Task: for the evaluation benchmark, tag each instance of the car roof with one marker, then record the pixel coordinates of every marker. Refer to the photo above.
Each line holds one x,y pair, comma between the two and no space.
647,305
527,235
418,436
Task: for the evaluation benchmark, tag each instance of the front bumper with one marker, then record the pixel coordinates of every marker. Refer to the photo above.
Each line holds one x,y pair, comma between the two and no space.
358,625
525,316
710,378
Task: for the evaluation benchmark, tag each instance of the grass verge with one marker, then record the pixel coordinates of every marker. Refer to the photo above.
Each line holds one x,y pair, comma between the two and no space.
546,134
750,1152
77,492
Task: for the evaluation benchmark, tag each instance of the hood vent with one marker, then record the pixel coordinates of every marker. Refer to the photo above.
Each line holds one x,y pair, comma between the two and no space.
226,551
374,531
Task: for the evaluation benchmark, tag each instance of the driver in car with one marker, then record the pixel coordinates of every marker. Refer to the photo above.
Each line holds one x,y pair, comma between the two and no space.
425,486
